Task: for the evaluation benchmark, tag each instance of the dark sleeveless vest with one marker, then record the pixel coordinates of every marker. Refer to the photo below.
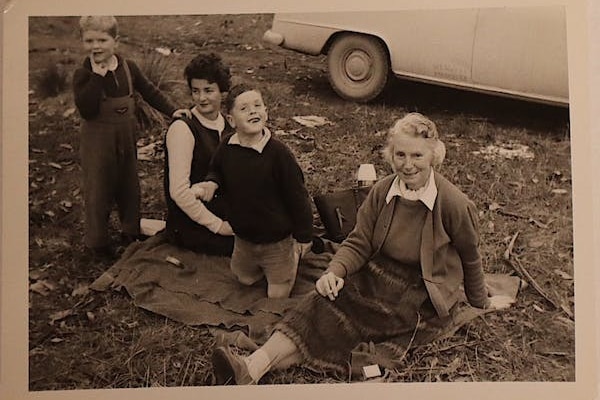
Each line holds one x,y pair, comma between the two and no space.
205,144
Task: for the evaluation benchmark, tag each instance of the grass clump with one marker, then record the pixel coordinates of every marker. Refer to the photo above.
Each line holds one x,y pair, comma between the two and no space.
53,80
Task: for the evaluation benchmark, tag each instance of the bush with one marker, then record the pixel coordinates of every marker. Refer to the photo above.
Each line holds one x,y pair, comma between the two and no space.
155,67
53,80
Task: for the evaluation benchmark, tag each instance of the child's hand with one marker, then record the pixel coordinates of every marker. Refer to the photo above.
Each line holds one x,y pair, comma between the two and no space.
100,69
205,191
182,112
226,229
198,191
329,285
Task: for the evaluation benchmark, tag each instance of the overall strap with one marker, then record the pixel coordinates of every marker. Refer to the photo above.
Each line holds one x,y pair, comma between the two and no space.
128,75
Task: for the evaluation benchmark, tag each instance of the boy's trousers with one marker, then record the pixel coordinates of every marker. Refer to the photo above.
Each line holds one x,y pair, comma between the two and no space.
109,162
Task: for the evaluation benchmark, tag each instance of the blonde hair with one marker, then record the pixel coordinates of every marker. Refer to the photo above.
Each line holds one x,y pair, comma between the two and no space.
102,23
418,126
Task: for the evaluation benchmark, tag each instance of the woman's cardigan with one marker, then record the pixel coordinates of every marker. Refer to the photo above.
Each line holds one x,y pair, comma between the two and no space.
449,243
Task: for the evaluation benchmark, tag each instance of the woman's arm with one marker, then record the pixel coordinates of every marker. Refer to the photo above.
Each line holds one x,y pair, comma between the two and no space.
180,145
464,234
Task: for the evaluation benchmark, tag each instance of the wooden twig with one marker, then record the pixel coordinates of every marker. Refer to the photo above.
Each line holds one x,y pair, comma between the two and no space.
412,338
509,249
511,214
517,266
520,269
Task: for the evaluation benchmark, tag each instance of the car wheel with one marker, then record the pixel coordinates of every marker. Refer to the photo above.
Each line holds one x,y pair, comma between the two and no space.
358,67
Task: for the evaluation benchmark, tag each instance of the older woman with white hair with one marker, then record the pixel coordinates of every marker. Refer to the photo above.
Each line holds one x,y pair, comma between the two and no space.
415,242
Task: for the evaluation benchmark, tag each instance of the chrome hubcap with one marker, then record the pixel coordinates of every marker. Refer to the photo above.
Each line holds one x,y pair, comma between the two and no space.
358,65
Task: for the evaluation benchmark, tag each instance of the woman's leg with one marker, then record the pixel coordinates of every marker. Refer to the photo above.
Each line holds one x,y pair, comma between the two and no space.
277,351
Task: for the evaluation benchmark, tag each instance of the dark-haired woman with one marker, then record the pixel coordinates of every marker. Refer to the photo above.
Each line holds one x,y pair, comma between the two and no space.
189,146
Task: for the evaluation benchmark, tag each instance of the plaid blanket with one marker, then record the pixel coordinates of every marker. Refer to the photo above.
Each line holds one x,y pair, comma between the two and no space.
197,289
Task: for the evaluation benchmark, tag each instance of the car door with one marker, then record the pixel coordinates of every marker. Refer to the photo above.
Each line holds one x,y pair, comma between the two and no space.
431,44
522,50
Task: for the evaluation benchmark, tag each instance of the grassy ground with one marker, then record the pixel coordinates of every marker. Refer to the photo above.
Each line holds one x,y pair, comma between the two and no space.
79,339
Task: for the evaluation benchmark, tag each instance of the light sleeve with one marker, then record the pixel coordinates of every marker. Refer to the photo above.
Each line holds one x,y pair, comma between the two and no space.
180,145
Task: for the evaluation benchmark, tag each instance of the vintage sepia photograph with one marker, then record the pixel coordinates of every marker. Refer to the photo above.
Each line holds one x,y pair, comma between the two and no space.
334,198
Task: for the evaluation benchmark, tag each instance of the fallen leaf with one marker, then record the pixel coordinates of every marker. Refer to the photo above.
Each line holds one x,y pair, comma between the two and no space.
59,315
80,290
163,50
538,223
538,308
66,203
567,310
69,112
57,340
49,213
566,321
563,274
66,146
42,287
452,367
55,165
90,316
311,121
494,206
495,355
536,243
560,191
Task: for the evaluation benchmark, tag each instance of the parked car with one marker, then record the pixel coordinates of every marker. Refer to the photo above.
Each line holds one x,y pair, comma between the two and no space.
512,51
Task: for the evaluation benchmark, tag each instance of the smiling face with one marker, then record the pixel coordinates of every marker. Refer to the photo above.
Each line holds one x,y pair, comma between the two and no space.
412,159
248,115
207,97
100,45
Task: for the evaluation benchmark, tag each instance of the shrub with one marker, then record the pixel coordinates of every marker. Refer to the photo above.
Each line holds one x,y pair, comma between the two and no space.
155,67
53,80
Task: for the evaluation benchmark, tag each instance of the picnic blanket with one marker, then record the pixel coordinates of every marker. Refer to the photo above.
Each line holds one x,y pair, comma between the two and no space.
198,289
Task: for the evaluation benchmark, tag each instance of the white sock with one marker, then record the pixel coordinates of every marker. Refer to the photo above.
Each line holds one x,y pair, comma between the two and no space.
258,364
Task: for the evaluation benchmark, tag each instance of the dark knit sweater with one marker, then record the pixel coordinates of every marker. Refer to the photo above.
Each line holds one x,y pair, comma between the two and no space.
265,193
90,88
206,142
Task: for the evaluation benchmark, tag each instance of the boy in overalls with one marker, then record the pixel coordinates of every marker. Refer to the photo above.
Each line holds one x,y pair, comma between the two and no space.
103,90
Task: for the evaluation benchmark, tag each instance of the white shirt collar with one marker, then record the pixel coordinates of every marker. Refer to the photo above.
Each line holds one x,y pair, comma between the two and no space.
427,195
258,146
113,63
218,124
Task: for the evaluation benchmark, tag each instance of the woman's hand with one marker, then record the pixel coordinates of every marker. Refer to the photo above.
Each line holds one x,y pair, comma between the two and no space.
225,229
205,191
182,112
329,285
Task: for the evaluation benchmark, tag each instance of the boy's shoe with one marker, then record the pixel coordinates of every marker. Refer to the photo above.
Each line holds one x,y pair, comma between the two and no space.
229,368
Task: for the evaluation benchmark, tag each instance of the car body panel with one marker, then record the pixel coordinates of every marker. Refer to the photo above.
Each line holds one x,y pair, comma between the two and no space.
515,51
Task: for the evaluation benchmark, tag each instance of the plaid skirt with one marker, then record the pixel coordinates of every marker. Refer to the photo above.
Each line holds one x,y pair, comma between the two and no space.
384,299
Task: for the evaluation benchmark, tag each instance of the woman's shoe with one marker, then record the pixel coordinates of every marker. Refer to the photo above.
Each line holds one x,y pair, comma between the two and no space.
230,369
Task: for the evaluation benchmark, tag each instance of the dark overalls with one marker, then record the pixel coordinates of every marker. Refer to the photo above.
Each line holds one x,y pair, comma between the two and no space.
109,162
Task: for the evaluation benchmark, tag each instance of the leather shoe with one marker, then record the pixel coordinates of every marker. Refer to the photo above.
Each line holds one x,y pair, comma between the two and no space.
230,369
